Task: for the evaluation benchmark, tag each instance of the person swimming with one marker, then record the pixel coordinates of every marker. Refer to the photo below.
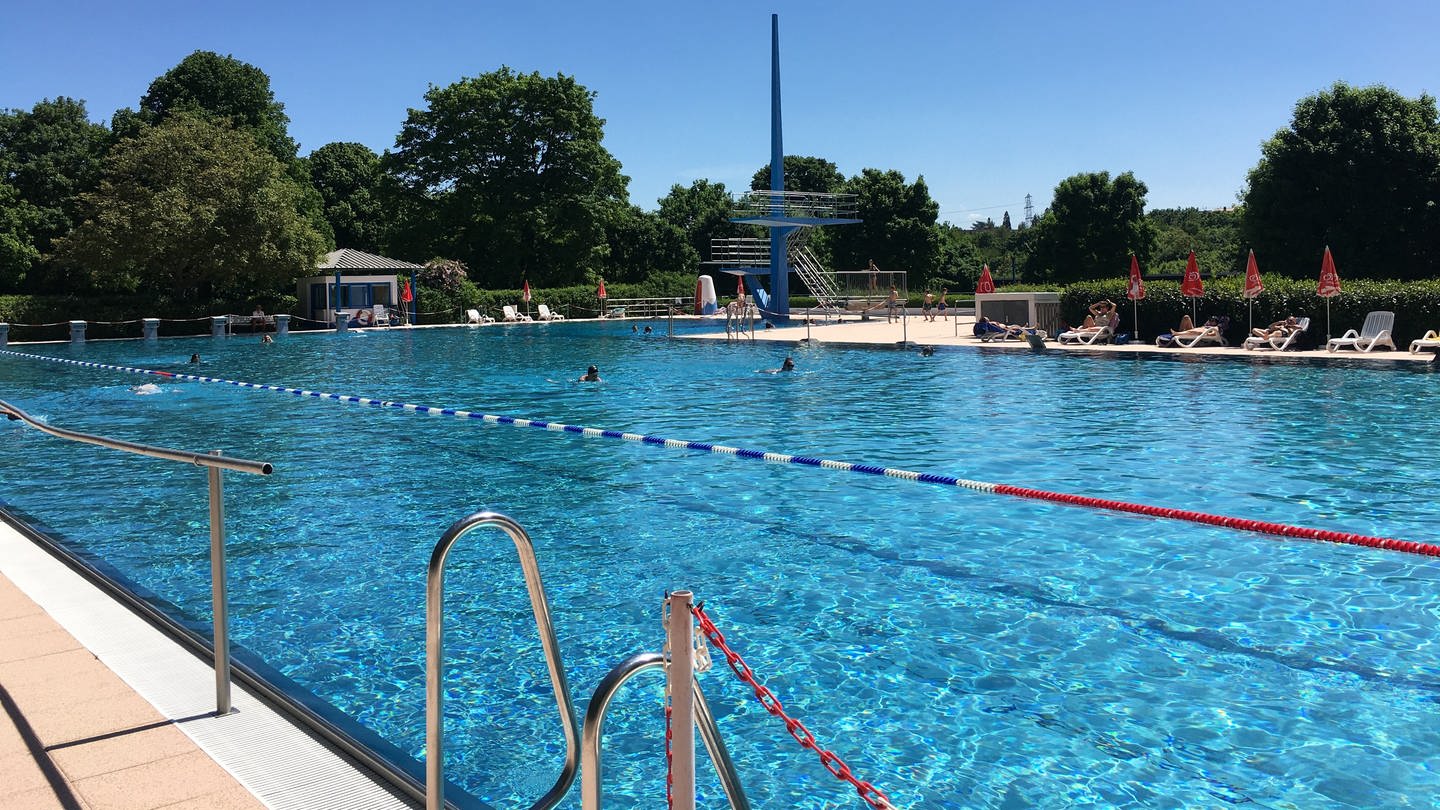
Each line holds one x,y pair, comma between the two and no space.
788,365
145,389
194,358
592,374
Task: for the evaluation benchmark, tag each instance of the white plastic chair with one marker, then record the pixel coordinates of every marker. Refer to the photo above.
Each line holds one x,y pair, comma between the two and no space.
1374,332
1277,342
547,315
473,316
381,316
1209,334
1102,335
1430,341
512,315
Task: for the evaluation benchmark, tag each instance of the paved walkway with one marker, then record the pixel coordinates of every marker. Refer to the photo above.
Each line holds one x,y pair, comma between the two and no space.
957,331
73,735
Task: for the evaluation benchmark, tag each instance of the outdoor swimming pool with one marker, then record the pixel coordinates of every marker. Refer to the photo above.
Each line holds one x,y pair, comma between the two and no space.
958,649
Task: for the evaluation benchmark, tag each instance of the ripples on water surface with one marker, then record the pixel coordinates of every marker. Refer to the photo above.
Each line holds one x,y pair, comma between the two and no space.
958,649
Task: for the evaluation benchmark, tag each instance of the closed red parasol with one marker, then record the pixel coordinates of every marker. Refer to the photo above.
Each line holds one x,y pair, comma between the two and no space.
1135,292
1329,285
1192,287
985,284
405,294
1253,285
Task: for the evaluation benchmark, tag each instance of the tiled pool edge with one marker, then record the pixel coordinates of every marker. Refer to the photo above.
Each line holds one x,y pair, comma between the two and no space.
281,765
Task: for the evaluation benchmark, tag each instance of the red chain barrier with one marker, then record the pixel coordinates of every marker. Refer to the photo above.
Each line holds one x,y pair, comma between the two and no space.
832,762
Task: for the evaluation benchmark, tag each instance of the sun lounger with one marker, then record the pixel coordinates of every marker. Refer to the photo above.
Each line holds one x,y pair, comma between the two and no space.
1374,332
473,316
512,315
1211,334
1277,342
1430,341
547,315
1104,334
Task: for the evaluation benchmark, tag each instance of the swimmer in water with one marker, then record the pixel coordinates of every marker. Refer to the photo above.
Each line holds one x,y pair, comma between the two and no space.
788,365
592,374
145,389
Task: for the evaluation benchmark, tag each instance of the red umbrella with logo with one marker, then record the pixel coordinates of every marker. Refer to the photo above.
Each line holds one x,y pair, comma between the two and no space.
1253,286
986,284
1329,285
1135,292
1192,287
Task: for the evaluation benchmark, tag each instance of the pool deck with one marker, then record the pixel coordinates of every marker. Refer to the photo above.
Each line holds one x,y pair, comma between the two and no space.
102,711
956,333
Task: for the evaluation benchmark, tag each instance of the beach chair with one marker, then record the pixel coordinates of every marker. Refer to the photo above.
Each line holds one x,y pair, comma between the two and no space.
1210,335
1104,334
380,315
1278,343
512,315
547,315
473,316
1430,341
1374,332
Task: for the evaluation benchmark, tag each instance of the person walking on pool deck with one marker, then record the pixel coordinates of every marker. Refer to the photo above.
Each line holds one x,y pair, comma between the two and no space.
927,307
592,374
891,304
944,291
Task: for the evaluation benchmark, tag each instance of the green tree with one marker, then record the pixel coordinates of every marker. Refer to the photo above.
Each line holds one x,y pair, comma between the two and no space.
347,177
1091,228
803,174
49,156
701,213
1213,235
194,209
642,244
506,172
17,244
208,84
1357,169
897,227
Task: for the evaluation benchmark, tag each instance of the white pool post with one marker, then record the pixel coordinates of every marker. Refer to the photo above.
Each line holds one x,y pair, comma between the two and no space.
680,677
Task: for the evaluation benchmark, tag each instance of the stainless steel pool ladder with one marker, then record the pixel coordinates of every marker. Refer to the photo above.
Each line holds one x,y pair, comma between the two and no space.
595,715
434,656
590,784
215,464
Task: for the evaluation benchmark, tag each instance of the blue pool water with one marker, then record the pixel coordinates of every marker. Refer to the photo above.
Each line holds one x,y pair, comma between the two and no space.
958,649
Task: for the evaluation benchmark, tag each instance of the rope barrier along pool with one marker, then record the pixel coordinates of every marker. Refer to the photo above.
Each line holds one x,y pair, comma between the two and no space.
1241,524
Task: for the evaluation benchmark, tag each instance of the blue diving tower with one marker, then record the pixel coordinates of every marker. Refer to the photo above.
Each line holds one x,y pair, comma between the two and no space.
790,217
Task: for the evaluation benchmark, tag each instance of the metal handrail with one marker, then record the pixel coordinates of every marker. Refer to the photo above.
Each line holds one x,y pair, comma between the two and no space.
434,654
215,464
590,783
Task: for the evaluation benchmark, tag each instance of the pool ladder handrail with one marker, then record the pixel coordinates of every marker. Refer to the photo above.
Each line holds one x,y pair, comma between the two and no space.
215,465
434,654
594,729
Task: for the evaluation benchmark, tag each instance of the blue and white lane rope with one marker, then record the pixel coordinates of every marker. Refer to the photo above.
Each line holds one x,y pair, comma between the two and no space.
1242,524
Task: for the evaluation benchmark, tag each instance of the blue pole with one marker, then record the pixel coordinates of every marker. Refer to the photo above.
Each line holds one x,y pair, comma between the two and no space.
335,305
779,264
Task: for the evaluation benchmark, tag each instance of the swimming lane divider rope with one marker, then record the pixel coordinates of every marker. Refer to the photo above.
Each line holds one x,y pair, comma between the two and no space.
1241,524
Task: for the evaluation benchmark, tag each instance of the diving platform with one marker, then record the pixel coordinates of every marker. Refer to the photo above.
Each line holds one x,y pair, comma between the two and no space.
794,209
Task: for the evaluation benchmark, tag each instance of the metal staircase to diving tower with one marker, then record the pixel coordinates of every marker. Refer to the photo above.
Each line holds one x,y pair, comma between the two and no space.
751,255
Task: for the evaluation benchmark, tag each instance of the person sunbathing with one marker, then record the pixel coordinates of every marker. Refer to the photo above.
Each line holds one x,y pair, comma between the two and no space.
1280,329
1102,316
1188,330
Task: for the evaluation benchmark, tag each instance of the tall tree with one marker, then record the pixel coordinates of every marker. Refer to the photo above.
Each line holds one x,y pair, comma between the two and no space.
642,244
510,169
897,227
347,176
1092,226
803,174
702,213
1357,169
194,209
211,85
17,243
49,156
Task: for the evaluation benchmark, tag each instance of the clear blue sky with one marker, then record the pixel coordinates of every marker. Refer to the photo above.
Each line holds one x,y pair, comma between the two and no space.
988,101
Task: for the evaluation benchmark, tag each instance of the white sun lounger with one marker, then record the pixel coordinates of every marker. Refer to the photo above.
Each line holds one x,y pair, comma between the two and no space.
1277,342
473,316
1374,332
547,315
1430,341
1102,335
512,315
